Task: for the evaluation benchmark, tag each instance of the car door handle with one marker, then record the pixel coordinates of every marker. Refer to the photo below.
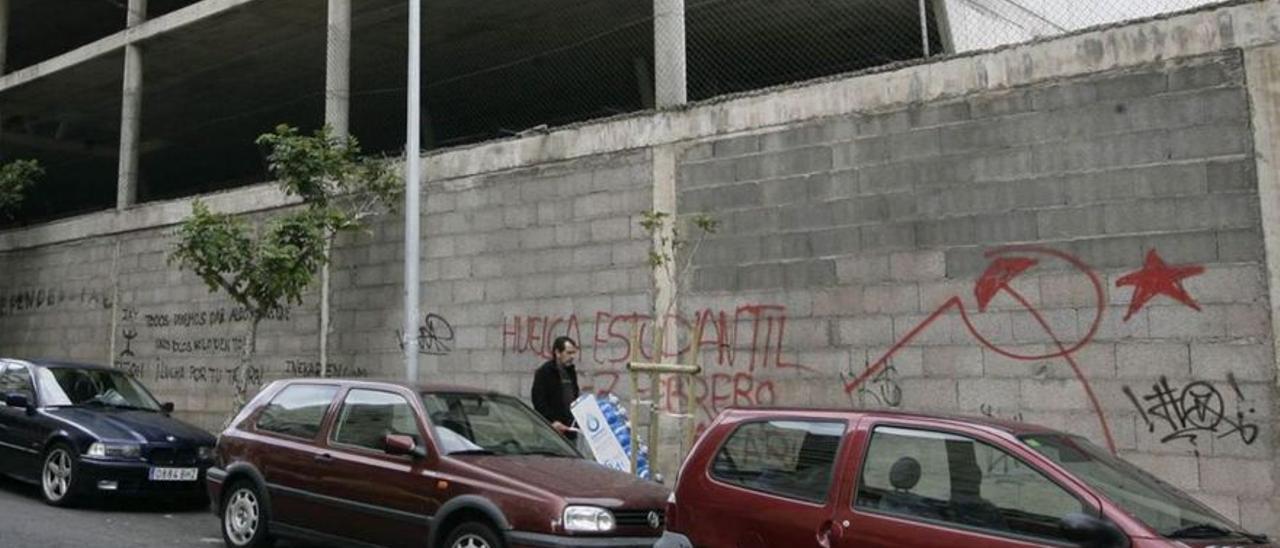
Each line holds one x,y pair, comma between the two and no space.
824,534
323,458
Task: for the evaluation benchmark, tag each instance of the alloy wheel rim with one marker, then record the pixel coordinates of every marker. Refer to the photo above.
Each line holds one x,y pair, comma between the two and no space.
241,517
471,541
57,474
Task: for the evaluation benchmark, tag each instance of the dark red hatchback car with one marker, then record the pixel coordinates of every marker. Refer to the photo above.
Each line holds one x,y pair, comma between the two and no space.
767,478
388,464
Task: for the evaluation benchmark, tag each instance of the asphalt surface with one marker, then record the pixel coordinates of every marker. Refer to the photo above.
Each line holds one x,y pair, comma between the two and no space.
26,521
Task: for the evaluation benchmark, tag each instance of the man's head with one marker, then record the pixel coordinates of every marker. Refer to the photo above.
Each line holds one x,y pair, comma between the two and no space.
566,350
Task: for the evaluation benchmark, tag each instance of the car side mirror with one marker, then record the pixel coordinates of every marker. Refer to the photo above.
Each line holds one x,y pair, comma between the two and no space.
167,407
400,444
1092,532
19,400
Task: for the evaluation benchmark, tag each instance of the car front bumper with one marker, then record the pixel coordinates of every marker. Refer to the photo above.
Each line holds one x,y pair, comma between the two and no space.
541,540
132,478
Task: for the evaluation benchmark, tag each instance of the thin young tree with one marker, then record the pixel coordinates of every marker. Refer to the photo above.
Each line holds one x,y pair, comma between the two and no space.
264,270
331,176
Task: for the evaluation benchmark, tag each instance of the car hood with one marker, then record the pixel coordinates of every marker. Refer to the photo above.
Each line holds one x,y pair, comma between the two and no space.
131,425
576,480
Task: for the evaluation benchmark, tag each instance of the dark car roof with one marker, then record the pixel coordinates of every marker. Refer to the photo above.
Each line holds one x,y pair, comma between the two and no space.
1011,427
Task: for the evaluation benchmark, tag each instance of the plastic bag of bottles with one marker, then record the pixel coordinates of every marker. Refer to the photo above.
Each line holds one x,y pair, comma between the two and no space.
620,424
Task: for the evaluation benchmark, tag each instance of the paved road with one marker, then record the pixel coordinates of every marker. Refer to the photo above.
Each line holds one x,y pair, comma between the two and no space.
25,520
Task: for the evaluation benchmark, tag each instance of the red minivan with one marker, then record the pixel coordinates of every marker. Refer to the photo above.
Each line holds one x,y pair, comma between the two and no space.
766,478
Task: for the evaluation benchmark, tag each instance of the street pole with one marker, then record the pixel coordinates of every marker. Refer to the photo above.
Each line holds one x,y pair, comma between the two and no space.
411,158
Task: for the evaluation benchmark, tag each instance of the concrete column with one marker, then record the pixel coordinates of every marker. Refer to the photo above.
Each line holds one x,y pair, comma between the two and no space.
669,67
137,13
942,20
4,45
4,35
1262,74
337,109
131,113
924,28
337,80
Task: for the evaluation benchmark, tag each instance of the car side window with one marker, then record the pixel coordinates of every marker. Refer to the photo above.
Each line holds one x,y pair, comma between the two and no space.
16,379
297,410
367,416
955,479
788,458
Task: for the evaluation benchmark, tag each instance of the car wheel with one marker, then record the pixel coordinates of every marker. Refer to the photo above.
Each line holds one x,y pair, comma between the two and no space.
244,523
473,535
59,475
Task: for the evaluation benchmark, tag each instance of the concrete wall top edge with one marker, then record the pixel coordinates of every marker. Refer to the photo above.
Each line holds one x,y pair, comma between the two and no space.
1236,25
260,197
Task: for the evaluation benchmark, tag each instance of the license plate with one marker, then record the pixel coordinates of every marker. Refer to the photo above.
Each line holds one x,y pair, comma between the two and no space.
174,474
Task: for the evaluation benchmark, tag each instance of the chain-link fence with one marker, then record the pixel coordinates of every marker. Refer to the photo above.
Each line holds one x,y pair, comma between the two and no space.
490,70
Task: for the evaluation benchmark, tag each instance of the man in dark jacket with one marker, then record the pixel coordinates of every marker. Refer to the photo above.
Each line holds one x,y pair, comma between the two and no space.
555,386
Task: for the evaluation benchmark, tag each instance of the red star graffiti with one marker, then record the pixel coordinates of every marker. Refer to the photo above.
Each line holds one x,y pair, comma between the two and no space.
1157,278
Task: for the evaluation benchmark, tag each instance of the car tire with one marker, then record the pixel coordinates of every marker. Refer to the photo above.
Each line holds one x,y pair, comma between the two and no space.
244,517
473,534
60,475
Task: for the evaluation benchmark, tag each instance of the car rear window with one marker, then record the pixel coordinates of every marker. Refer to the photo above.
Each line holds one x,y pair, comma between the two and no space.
297,410
789,458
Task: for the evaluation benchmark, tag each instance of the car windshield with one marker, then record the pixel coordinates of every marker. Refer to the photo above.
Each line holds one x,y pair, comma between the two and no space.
61,386
491,424
1161,506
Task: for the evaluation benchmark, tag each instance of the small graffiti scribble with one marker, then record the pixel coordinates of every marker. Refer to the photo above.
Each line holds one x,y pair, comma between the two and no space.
435,336
1194,410
989,412
883,387
129,335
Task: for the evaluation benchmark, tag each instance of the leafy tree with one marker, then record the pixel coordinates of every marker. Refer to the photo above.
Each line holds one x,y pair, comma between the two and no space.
327,171
16,178
266,269
333,179
264,272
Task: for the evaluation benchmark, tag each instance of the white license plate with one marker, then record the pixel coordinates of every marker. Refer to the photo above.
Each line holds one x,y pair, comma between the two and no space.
174,474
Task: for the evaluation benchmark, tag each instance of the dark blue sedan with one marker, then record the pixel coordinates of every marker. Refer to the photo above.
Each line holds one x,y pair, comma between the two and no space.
80,431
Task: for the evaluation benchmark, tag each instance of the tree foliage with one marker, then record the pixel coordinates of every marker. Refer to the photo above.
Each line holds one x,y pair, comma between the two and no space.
324,170
263,272
266,269
16,178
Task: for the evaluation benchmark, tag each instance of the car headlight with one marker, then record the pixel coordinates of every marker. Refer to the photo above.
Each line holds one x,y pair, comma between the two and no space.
115,450
205,452
588,519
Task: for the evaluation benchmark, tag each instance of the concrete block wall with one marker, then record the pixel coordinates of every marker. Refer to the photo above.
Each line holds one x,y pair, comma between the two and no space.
1072,233
117,300
1084,254
511,260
